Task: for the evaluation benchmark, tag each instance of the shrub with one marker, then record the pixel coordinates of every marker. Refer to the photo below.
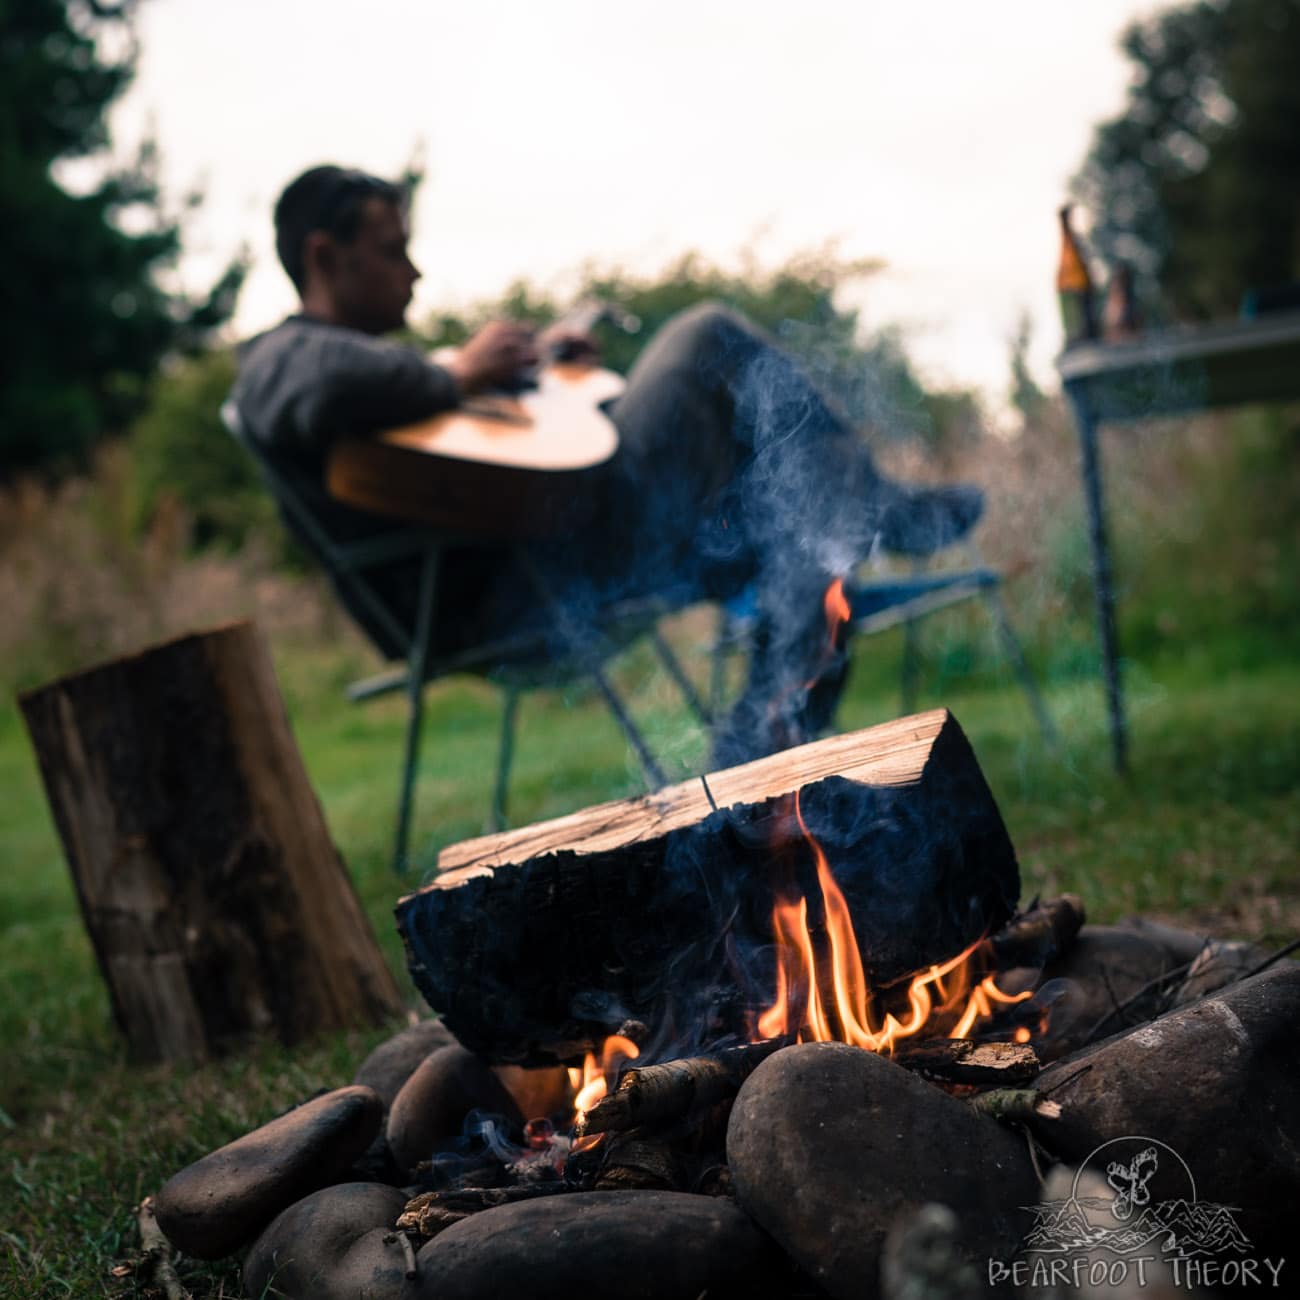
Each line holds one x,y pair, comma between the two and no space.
184,457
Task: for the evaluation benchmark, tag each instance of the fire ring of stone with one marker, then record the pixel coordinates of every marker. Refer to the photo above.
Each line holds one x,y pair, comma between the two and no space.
830,1145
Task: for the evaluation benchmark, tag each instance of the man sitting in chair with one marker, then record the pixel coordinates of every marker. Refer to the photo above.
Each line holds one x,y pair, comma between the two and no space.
732,468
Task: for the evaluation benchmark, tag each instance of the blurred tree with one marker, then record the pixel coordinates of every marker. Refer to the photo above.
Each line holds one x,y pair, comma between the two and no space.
1197,182
181,453
86,317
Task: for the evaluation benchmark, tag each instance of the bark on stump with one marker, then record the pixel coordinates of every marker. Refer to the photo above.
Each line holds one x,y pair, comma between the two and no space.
535,943
216,903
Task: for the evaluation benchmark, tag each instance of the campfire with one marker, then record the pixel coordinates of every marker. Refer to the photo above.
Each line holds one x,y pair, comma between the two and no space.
782,1031
822,995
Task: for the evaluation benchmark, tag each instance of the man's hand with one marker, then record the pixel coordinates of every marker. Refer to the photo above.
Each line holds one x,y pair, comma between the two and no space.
495,355
563,343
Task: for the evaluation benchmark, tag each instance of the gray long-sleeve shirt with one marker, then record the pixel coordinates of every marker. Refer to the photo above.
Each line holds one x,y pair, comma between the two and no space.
306,382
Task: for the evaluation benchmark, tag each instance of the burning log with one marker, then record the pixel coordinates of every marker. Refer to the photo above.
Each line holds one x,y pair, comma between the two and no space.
535,944
958,1060
653,1095
656,1094
1044,933
215,901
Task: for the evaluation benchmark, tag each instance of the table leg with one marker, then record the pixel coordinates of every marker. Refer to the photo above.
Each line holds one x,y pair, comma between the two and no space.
1102,578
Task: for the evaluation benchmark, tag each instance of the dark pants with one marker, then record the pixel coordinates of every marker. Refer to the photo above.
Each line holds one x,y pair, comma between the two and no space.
732,470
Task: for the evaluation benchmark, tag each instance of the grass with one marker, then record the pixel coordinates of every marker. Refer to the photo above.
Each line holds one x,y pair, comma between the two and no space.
1203,833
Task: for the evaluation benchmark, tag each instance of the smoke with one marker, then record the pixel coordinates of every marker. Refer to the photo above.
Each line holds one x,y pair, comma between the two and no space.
734,474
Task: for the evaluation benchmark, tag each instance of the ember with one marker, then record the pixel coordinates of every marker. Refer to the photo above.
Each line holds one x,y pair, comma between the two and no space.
591,1083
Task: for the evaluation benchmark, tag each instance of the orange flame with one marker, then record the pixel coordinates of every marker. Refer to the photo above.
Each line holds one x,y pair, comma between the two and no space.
844,1011
836,604
591,1083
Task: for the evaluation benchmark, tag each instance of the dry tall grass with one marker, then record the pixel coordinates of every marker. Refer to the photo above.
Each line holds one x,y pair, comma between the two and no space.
77,585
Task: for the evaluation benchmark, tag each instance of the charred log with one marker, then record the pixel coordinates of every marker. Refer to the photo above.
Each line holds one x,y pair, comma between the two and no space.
535,944
958,1060
642,1161
656,1094
1045,933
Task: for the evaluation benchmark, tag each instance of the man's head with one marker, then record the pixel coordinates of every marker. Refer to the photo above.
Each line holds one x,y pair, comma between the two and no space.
341,235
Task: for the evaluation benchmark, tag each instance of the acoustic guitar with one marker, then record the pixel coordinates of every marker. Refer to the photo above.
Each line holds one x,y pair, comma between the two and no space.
501,466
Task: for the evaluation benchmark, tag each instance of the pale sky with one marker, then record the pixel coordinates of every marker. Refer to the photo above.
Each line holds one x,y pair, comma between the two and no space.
937,135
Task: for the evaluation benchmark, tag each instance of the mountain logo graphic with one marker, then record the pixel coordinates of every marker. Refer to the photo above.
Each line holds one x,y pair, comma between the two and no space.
1135,1194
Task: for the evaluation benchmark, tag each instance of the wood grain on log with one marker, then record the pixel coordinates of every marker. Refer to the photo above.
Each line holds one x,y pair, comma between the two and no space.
538,942
892,754
214,899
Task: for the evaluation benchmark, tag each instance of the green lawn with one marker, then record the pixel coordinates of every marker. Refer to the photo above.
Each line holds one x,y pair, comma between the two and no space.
1204,832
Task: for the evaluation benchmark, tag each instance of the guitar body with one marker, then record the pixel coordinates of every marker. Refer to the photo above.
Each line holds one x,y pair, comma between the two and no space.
500,467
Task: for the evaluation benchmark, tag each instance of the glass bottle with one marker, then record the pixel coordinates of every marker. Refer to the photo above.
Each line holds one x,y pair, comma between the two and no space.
1074,287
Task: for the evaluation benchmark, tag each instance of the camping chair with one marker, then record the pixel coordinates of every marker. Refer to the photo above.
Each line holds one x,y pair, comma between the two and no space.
563,650
892,602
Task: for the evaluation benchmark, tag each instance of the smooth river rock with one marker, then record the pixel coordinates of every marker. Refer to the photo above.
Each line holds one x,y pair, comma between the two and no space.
389,1066
635,1245
330,1246
1217,1082
430,1110
831,1146
218,1204
1110,966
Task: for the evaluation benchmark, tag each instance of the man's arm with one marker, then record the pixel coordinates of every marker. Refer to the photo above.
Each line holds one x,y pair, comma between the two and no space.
304,383
358,385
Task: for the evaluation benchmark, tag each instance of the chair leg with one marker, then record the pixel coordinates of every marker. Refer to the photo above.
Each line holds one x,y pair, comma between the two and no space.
419,664
505,755
654,774
673,667
1015,652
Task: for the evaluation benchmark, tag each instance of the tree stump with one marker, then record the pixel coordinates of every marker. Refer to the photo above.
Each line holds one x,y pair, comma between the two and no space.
535,943
216,903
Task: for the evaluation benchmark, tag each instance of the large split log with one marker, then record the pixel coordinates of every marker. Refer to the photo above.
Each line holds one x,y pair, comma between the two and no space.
534,944
216,903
